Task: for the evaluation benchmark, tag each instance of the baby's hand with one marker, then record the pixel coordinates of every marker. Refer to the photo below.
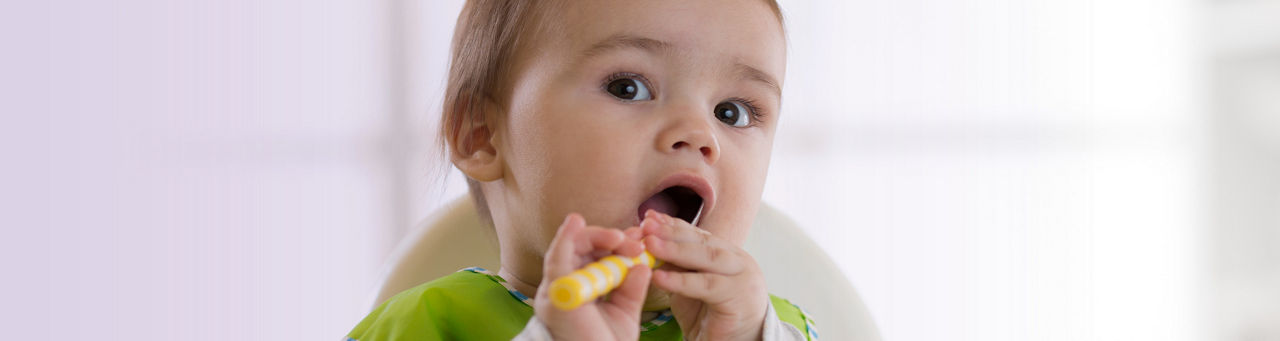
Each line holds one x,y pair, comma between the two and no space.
576,245
722,294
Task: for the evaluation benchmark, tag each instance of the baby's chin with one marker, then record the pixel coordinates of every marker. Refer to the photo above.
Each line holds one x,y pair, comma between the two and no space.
656,299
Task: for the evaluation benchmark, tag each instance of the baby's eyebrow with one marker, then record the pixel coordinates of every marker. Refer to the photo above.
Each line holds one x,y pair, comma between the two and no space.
655,46
623,40
751,73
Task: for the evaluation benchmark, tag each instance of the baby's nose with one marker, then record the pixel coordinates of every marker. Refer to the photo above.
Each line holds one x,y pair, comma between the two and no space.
691,134
707,150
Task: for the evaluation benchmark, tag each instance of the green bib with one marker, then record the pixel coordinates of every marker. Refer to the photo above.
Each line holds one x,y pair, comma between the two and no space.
474,305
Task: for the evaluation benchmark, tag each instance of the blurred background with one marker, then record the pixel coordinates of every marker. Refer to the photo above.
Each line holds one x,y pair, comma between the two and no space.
979,169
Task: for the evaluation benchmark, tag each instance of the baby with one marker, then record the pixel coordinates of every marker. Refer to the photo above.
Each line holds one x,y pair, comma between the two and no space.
589,128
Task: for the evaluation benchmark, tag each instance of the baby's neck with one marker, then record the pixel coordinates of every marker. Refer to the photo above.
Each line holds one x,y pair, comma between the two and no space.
528,289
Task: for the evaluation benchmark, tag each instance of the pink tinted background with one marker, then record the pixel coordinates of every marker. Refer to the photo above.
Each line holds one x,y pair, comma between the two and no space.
980,169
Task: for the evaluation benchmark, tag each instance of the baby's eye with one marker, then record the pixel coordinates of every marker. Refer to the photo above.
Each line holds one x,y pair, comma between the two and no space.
732,113
628,88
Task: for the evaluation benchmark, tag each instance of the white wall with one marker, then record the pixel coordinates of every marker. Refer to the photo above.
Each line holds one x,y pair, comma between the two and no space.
999,170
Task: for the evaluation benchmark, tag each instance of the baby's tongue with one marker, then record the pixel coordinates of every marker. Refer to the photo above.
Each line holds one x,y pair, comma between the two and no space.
660,202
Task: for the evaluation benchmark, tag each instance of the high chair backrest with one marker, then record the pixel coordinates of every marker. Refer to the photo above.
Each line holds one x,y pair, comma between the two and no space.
794,267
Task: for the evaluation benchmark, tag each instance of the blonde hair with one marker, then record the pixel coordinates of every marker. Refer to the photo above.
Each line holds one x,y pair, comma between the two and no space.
488,35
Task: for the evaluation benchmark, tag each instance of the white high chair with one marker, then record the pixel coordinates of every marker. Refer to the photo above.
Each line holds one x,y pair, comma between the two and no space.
794,267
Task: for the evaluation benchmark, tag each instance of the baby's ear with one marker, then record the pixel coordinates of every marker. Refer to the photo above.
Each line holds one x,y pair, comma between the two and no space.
473,149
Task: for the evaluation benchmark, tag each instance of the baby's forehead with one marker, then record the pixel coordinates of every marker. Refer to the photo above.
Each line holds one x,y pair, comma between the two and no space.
720,31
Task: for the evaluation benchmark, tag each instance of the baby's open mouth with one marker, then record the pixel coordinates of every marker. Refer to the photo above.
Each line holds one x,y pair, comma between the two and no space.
683,195
676,201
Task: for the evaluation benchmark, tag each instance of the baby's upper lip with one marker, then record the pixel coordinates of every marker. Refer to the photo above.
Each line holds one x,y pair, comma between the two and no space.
691,180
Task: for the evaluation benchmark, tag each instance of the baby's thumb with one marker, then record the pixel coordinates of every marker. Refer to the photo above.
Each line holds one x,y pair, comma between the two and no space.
629,296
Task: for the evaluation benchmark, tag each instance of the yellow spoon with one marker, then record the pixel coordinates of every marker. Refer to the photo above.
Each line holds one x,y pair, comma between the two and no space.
595,280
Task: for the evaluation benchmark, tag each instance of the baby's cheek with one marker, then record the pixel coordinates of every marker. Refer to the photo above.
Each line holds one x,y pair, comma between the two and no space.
735,227
741,202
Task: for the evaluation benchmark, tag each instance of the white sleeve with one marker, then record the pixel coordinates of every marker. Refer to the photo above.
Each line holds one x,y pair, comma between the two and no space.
533,331
776,330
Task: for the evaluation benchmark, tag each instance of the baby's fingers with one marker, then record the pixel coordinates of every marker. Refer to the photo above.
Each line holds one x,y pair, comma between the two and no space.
592,239
560,254
574,241
629,297
677,242
709,288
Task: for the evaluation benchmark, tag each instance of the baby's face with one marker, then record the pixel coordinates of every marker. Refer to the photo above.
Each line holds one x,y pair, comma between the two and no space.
631,105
